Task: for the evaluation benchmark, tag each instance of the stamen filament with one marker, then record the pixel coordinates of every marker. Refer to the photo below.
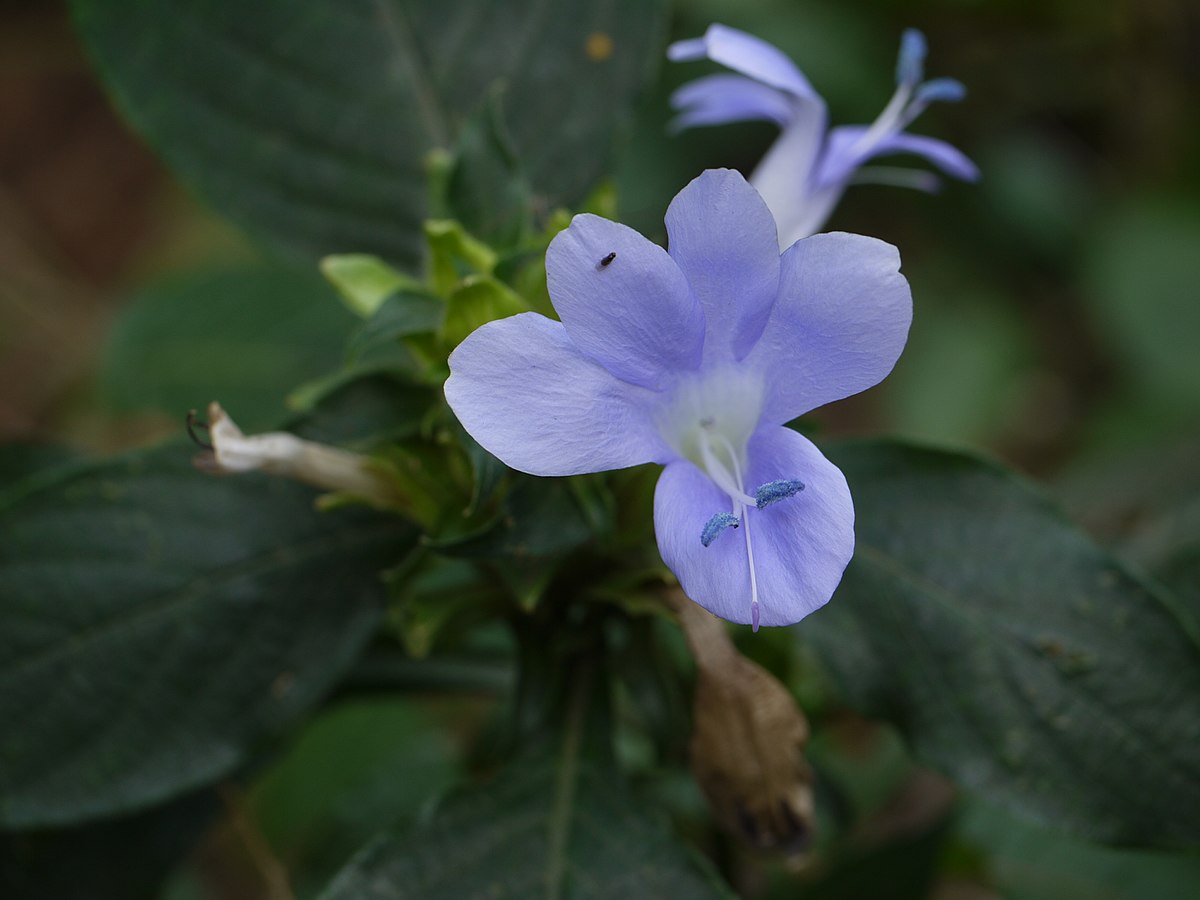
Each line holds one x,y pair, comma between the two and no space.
888,120
730,483
753,576
741,500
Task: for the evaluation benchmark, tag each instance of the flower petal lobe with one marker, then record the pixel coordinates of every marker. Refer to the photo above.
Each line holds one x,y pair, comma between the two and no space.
528,396
624,302
801,547
839,324
723,237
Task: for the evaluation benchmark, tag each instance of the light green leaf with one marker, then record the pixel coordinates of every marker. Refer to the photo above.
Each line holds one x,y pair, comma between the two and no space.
476,301
311,123
364,281
156,624
455,254
1018,656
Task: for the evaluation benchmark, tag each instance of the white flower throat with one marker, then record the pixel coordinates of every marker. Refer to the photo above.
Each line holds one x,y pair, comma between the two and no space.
709,421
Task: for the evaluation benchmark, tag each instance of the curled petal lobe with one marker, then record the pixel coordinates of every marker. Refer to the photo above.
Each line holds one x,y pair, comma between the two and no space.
523,390
723,237
944,90
949,159
839,324
847,150
910,65
744,53
717,99
624,302
800,545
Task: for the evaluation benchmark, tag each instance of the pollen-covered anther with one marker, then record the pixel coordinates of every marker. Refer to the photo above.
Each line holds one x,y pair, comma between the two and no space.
716,526
774,491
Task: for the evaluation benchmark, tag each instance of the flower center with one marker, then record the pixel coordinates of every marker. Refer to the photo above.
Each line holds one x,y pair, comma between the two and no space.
709,421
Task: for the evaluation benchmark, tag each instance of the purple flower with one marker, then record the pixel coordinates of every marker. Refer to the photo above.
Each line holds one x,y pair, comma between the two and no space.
695,358
803,175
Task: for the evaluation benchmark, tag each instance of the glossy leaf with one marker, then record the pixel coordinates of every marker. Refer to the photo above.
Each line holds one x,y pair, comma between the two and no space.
1018,656
311,123
157,624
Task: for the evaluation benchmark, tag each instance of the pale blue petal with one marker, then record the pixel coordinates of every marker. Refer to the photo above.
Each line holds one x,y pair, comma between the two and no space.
801,545
940,90
723,237
744,53
786,177
845,152
717,99
947,158
624,301
839,324
529,397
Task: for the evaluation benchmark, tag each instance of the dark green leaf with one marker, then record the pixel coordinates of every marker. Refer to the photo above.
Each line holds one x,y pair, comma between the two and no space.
310,123
486,189
487,472
1024,862
1145,505
243,337
1181,573
365,409
401,315
538,830
19,461
539,518
159,623
118,859
1018,656
359,768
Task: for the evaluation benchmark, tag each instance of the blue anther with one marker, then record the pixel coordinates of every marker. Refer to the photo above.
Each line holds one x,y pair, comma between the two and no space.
774,491
716,525
910,67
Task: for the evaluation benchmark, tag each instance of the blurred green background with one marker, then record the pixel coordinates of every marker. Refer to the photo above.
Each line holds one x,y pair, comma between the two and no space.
1057,323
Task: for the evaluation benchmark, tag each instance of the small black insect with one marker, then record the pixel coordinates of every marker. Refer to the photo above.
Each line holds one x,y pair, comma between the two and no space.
607,260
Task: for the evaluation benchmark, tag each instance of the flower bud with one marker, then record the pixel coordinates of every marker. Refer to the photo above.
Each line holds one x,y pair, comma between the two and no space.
747,741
